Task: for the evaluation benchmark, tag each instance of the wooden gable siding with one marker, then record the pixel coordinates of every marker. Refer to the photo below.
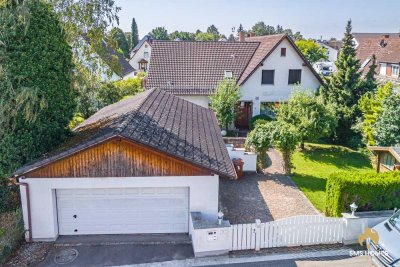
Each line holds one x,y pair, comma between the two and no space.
117,158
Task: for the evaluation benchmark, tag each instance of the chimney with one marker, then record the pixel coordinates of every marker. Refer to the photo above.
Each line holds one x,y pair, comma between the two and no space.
386,36
252,34
241,36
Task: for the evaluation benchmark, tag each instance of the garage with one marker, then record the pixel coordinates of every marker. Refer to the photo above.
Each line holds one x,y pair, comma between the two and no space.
123,210
139,166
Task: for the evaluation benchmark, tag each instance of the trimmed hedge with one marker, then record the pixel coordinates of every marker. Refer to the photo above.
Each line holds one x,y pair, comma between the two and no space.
370,191
259,119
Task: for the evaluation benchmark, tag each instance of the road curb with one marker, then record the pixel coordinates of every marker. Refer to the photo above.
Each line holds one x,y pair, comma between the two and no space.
210,261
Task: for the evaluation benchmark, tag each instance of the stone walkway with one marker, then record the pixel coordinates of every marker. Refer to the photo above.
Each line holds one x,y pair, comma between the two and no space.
270,196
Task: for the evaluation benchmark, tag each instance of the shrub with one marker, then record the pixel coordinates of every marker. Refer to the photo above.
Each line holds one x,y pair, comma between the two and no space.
11,233
9,198
370,191
259,119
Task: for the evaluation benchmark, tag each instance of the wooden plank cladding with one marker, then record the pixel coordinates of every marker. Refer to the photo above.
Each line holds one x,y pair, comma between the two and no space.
118,158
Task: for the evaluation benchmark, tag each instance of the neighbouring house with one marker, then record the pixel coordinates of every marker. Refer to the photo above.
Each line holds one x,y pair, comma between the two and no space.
112,65
267,69
331,51
141,53
137,166
386,48
388,158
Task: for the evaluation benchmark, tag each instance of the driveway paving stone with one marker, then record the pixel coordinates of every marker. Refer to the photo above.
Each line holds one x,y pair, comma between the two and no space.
269,196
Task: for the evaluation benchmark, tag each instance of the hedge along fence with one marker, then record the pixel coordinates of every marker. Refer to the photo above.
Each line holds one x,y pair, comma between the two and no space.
11,233
370,191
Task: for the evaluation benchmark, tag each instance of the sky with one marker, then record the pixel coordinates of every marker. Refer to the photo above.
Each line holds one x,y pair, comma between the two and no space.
313,18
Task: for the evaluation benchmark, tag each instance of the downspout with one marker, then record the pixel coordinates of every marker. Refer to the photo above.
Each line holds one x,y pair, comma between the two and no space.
28,207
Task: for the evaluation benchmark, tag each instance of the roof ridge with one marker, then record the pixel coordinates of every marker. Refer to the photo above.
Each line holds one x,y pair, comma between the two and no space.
125,123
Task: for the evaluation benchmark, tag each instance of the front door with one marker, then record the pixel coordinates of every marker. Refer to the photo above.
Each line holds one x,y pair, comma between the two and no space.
242,121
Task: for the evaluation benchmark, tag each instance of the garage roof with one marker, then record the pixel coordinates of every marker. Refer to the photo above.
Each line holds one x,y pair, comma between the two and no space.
158,120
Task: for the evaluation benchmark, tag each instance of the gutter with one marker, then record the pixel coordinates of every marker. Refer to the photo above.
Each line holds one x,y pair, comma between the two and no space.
28,206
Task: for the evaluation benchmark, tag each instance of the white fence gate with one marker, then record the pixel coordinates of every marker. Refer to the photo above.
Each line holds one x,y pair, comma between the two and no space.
292,231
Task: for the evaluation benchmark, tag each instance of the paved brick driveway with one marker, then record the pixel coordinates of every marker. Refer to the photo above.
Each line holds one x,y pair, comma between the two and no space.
267,197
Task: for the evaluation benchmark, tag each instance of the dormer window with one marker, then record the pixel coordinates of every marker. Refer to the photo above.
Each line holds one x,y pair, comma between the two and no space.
228,74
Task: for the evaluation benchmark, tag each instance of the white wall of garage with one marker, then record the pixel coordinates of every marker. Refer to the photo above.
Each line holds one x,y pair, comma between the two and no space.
203,196
201,100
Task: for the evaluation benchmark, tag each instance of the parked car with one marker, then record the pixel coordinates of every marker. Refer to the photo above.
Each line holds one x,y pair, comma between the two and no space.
387,251
323,68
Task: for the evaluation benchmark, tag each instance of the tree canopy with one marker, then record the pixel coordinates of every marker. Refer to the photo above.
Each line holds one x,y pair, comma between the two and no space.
224,101
309,115
37,100
311,50
135,34
342,90
117,35
371,106
159,33
387,127
261,29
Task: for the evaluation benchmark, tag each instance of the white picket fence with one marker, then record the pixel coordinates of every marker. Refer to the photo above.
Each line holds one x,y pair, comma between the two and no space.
292,231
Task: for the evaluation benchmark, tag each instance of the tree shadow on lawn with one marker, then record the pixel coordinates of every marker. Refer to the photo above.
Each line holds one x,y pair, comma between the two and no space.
338,156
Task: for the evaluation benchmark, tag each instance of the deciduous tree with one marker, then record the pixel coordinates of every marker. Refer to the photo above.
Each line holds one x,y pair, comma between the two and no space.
285,138
260,140
311,50
224,101
371,106
309,115
387,127
159,33
117,35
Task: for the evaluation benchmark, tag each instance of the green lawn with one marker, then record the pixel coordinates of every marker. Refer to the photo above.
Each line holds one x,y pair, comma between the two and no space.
317,162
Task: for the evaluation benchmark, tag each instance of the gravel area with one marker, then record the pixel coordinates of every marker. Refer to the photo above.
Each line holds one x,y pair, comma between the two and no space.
269,196
29,254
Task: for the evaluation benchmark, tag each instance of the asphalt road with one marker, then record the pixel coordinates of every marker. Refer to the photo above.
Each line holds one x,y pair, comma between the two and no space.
343,261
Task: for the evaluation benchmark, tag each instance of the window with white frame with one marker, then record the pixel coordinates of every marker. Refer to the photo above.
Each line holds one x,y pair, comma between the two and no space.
395,70
382,69
146,54
228,74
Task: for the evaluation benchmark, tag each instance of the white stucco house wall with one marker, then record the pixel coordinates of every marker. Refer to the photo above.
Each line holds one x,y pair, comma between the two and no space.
123,174
254,91
141,54
267,70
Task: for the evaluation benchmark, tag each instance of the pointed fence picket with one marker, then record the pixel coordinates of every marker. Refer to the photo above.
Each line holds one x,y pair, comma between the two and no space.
292,231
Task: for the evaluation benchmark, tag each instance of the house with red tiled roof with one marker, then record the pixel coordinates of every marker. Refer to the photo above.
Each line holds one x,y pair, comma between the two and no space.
386,48
267,69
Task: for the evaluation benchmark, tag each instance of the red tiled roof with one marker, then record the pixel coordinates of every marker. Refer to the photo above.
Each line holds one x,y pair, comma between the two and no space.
194,68
267,45
369,44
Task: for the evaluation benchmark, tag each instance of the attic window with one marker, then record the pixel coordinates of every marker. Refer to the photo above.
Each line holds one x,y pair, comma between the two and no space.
228,74
283,52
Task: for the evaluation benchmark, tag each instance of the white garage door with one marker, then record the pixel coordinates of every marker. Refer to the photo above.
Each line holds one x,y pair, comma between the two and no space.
123,210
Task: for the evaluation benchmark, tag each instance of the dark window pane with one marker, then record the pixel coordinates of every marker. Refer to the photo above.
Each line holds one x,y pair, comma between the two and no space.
268,77
283,52
294,76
